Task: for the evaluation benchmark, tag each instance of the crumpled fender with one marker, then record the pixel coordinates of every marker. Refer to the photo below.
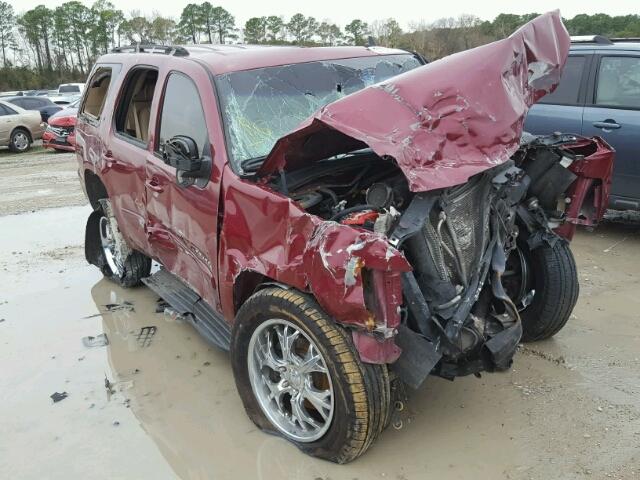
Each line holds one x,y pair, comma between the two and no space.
443,122
267,233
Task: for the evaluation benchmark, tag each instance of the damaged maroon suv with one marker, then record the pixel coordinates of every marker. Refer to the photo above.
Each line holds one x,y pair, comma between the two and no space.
345,221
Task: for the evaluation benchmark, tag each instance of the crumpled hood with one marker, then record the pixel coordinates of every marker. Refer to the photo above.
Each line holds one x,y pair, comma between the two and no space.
442,122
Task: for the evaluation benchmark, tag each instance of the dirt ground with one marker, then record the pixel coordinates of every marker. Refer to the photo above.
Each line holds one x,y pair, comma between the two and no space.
160,403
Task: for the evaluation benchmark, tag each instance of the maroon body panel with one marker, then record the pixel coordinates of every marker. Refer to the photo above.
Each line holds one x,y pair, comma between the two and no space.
589,193
445,121
269,234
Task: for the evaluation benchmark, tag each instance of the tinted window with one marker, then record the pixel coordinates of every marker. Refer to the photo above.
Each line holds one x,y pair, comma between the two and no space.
619,82
182,112
31,103
6,110
69,89
19,102
569,87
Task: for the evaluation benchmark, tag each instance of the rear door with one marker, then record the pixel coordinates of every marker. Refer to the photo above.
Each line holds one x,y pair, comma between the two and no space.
613,112
562,110
6,123
182,221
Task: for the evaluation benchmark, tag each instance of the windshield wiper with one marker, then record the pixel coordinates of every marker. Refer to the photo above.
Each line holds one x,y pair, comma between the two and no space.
252,164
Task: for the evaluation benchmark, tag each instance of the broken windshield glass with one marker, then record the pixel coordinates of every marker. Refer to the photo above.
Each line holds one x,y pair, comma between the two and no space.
264,104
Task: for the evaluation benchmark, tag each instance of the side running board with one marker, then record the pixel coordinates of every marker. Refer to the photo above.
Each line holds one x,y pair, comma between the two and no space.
190,305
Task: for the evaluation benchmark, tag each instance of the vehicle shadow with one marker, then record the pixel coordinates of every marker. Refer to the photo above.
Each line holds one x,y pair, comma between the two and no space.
182,392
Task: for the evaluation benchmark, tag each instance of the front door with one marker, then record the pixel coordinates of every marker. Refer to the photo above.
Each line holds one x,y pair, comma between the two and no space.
561,111
614,114
182,221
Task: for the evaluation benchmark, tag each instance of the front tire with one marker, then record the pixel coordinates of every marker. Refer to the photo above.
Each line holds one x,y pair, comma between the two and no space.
340,406
20,141
552,275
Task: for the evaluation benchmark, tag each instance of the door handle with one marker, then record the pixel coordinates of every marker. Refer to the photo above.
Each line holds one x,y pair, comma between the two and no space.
154,185
607,125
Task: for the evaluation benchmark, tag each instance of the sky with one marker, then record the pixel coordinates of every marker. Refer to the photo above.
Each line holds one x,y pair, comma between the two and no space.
343,11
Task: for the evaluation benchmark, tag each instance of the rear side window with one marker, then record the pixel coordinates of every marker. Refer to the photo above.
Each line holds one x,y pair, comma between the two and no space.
619,82
97,90
182,113
19,102
69,89
134,108
31,103
569,88
6,111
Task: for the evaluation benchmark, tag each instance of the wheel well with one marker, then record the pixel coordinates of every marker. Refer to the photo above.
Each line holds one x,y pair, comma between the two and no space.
25,130
95,188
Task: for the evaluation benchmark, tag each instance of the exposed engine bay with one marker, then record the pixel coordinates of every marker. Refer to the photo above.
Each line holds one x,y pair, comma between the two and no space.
457,314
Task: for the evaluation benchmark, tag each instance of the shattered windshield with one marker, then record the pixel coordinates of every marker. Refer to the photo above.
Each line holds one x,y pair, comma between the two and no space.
264,104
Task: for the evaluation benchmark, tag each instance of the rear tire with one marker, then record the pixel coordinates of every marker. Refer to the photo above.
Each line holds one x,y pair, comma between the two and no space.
361,397
125,266
553,276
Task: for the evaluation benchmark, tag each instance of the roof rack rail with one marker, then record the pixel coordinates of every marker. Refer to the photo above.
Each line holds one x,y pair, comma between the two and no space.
150,48
625,39
599,39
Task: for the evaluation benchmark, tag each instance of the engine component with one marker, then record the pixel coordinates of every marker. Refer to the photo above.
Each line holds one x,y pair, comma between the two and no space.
379,195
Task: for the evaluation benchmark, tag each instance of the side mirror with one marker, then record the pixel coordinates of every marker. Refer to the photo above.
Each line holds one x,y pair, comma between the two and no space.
181,152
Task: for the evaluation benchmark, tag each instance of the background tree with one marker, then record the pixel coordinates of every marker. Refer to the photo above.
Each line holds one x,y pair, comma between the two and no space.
329,33
387,33
255,30
189,24
358,31
224,24
7,37
275,28
301,28
206,20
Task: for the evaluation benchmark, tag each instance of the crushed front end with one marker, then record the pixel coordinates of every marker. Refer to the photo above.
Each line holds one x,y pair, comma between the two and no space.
434,162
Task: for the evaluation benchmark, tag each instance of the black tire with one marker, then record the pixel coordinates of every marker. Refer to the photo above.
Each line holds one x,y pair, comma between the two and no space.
362,391
13,141
555,280
135,266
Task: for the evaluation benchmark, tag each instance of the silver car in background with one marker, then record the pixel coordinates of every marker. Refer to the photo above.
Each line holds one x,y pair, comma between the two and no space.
19,128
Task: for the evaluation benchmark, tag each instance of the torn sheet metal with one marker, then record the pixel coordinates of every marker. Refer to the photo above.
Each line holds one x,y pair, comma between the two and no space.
445,121
298,249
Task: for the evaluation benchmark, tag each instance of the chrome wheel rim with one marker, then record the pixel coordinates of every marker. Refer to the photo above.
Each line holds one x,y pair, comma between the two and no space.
20,141
109,248
290,380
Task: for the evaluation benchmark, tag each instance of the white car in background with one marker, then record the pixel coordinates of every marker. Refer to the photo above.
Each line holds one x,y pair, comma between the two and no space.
67,93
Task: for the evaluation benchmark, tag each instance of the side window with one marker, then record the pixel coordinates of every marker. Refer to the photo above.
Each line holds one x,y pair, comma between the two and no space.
182,113
134,109
567,91
97,90
619,82
4,110
30,104
19,102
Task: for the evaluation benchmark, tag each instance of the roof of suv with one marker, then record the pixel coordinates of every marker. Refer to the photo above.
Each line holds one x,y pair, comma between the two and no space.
598,42
231,58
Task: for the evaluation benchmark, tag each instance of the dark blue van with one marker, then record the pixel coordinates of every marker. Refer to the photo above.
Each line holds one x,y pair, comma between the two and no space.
599,94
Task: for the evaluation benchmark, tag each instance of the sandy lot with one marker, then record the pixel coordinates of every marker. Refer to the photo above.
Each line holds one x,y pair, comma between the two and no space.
569,408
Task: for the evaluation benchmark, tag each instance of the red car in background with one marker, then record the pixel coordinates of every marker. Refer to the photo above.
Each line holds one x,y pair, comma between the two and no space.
60,133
